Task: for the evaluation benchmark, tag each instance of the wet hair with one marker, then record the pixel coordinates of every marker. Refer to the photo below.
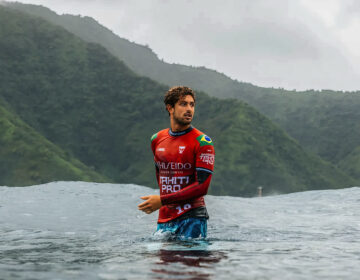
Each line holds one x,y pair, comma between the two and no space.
174,94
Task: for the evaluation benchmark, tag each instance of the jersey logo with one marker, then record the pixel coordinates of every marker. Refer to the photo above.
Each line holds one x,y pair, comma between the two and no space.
153,137
160,149
181,149
204,140
207,158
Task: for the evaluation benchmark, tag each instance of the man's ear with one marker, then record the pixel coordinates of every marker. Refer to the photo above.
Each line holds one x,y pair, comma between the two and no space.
169,108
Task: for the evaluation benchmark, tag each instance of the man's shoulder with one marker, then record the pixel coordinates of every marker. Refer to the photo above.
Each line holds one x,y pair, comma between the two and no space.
159,134
202,138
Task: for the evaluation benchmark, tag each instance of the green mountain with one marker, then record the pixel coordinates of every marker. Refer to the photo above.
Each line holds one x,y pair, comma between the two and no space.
323,122
141,59
93,106
351,163
27,158
255,152
326,123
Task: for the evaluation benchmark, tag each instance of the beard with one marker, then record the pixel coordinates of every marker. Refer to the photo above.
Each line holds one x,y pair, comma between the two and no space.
181,121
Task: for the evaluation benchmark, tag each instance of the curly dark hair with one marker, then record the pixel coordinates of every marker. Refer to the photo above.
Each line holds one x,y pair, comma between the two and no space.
174,94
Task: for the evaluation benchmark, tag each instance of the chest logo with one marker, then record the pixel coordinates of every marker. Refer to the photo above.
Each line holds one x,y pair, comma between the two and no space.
161,149
181,149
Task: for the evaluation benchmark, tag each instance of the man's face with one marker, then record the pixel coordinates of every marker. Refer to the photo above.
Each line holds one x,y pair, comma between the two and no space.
183,111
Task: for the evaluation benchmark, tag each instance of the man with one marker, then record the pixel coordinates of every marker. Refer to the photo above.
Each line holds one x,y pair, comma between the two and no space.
184,161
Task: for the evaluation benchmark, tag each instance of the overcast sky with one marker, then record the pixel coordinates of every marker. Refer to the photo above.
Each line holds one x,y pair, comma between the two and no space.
294,44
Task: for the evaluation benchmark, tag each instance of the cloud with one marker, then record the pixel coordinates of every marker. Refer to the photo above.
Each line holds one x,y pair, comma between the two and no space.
270,43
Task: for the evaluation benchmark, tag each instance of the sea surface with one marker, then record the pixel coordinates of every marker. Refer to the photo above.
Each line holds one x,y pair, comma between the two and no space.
77,230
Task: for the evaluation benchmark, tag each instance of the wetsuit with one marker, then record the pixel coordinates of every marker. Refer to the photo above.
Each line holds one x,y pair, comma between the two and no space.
184,164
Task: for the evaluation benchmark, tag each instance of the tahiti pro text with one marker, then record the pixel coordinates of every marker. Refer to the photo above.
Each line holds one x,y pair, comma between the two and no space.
173,184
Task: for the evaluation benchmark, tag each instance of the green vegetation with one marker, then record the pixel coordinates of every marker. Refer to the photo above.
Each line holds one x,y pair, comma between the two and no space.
27,158
141,59
326,122
96,109
254,152
351,164
323,122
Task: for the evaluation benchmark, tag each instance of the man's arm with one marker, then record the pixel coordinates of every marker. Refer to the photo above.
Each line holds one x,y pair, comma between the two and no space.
195,190
152,202
157,173
205,157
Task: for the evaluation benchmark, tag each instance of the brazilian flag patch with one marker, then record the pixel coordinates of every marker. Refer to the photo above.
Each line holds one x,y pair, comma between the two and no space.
204,140
153,137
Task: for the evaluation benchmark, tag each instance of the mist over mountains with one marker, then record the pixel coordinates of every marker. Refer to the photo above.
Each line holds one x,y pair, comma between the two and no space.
322,121
84,99
297,44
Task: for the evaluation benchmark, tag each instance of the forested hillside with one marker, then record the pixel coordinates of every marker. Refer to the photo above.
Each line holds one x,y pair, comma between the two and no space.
27,158
94,107
324,122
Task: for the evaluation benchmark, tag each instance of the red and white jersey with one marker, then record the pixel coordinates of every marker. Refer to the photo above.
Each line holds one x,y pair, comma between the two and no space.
178,156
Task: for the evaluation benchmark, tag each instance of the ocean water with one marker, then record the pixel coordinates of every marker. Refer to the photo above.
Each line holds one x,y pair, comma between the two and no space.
77,230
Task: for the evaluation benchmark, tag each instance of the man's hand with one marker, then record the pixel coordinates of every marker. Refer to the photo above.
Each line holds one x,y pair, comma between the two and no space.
151,203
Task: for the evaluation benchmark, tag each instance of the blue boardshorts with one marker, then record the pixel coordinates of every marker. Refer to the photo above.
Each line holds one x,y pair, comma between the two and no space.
185,228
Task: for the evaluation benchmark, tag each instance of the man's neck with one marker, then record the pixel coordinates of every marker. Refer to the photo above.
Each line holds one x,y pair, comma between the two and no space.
180,132
179,128
176,127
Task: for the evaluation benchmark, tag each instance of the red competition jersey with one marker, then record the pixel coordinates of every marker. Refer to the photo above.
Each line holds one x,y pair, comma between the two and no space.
178,155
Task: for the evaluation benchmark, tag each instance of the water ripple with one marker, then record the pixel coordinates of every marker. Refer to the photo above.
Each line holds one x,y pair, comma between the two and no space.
77,230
